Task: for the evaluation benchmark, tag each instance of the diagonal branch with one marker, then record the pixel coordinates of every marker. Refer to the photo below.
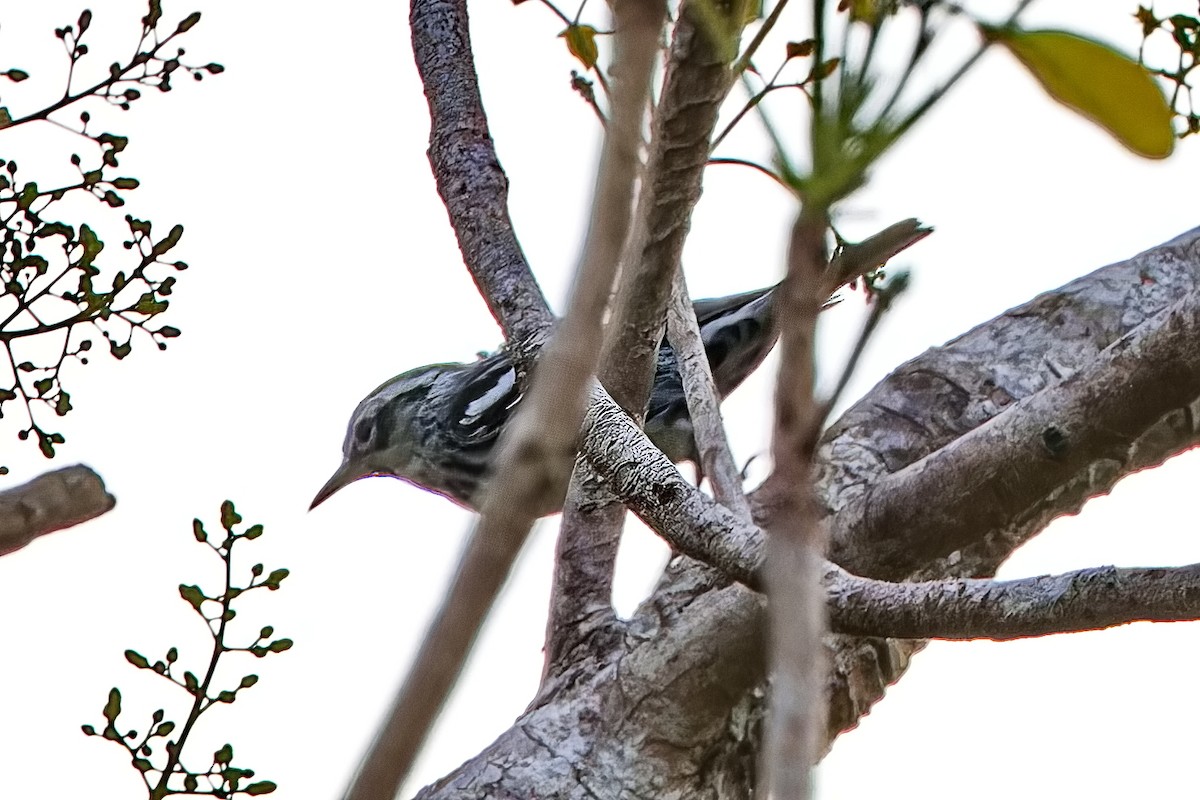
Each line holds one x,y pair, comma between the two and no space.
581,596
694,86
538,446
1011,462
469,178
704,409
716,638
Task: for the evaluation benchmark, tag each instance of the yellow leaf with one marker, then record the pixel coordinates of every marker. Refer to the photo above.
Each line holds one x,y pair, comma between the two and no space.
1107,87
581,41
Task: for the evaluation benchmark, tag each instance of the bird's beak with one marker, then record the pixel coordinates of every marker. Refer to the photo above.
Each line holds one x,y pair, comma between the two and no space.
346,474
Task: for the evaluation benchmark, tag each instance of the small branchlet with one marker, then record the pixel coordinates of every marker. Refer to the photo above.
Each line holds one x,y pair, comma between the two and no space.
1183,31
156,755
56,291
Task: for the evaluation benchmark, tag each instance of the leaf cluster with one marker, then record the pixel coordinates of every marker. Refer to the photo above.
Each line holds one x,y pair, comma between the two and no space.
1183,31
164,773
58,291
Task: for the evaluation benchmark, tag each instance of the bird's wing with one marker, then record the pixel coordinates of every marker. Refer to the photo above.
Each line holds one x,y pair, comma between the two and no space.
484,401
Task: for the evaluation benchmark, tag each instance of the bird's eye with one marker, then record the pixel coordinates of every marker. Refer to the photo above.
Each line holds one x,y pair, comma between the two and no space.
362,431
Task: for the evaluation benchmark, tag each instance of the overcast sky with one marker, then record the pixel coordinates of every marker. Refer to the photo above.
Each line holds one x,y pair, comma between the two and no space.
322,264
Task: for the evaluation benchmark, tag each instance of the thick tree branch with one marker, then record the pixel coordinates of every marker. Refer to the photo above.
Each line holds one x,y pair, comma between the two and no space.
49,503
469,178
697,81
930,401
985,477
1013,356
695,84
538,447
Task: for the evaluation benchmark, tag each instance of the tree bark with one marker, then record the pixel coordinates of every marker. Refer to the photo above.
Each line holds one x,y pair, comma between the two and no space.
675,710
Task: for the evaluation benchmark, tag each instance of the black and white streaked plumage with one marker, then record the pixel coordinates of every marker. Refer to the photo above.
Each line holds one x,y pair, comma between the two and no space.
436,426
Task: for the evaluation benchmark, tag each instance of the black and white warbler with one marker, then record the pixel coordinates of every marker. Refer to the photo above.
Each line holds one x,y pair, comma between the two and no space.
436,426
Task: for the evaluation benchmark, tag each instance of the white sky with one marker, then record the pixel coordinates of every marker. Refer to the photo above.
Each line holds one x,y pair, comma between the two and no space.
322,264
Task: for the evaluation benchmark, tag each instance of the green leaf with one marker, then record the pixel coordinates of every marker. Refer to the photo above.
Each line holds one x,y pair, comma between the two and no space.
279,645
164,729
224,755
42,386
112,709
198,531
229,517
191,682
1100,83
28,194
190,783
192,594
260,787
152,18
149,305
63,404
46,444
17,75
91,245
142,765
119,351
55,229
254,531
170,241
189,22
226,697
248,681
89,730
137,659
275,578
581,41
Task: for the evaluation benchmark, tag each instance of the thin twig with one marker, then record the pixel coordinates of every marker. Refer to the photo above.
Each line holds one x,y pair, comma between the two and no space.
703,405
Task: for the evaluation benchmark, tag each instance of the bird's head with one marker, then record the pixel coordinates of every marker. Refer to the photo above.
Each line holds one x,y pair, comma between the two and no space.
381,435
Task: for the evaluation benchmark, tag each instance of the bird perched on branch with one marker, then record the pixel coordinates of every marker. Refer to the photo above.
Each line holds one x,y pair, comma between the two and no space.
437,426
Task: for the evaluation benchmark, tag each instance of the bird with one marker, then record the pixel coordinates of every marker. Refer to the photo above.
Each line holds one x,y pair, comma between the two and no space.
437,426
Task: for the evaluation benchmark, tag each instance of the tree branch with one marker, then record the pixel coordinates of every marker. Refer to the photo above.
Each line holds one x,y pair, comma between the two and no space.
538,447
703,405
49,503
1085,600
469,177
711,717
581,597
986,476
796,540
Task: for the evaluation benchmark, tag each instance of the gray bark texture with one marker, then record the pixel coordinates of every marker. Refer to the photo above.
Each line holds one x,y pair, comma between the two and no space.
675,709
51,502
